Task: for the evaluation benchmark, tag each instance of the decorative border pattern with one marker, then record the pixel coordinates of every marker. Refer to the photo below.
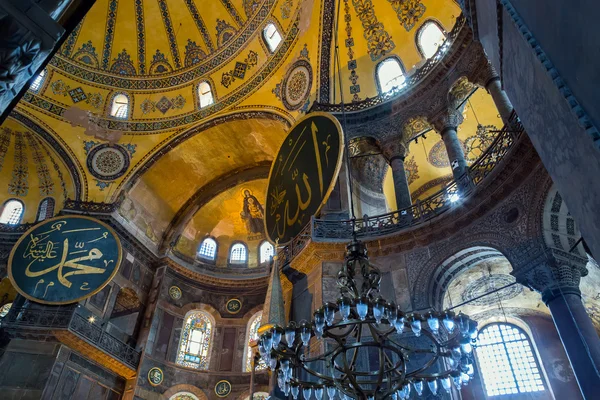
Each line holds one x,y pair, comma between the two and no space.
352,63
287,82
18,185
67,48
46,185
325,50
119,173
5,135
233,12
164,11
141,35
379,42
151,83
200,24
109,35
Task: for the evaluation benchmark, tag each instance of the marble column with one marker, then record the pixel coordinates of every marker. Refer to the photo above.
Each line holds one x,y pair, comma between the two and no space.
395,152
446,124
558,282
488,78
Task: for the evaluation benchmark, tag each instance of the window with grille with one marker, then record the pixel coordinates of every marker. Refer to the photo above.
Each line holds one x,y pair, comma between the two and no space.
266,252
238,254
37,82
205,96
195,342
252,336
507,361
120,106
46,209
12,213
390,75
429,38
272,36
208,249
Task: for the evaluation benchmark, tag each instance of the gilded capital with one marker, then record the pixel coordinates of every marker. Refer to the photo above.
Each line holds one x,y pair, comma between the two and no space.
450,118
393,149
484,74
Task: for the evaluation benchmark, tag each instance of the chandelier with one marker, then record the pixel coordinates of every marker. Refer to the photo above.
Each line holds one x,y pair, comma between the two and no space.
367,347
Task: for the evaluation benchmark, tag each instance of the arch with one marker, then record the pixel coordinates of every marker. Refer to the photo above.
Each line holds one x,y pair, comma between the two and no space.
252,336
12,212
238,254
271,36
119,106
205,94
38,81
184,396
430,36
45,209
127,311
389,75
266,251
208,249
182,389
508,361
196,340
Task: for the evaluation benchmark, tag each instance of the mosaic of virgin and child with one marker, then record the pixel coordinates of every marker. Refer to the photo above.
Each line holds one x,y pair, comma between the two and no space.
253,215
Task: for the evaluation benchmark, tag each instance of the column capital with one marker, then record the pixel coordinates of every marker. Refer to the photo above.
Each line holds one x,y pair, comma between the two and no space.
393,149
485,74
450,118
553,277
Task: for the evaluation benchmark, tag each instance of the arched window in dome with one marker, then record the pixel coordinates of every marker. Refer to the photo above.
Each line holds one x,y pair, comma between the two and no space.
430,37
205,95
390,75
120,106
252,337
265,252
45,209
208,249
196,340
12,212
272,36
37,82
238,254
507,361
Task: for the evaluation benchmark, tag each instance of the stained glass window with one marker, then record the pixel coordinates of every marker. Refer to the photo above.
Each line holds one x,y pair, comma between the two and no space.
5,309
196,338
183,396
430,38
12,212
272,36
208,249
37,82
390,75
266,252
238,254
252,336
205,96
120,106
507,362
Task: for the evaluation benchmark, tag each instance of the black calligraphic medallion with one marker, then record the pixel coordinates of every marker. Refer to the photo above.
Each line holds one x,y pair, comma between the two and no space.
155,376
222,388
64,260
233,306
303,175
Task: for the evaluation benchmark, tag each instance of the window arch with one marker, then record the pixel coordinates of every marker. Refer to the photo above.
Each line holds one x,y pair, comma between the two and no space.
120,106
252,336
12,213
238,254
38,81
205,95
196,340
208,249
272,36
266,251
430,37
45,209
390,75
507,361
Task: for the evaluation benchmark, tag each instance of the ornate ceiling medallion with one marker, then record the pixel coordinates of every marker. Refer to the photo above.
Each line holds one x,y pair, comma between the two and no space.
296,85
108,162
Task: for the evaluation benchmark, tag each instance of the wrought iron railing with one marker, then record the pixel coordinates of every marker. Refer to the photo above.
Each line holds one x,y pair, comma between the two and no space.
40,319
410,82
422,211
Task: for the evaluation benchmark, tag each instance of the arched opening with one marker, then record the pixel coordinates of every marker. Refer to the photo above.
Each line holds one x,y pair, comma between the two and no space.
271,36
430,38
238,254
36,85
127,312
208,249
196,340
120,106
12,212
390,75
45,209
266,251
184,396
205,95
251,338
